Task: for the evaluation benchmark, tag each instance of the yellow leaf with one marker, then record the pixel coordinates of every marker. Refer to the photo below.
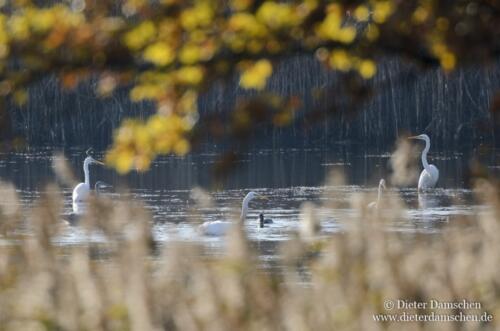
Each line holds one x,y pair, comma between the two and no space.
191,75
190,54
19,27
248,24
140,35
142,162
367,69
240,4
41,20
382,10
123,161
256,76
146,91
330,26
362,13
346,35
448,61
182,147
199,15
340,60
159,53
276,15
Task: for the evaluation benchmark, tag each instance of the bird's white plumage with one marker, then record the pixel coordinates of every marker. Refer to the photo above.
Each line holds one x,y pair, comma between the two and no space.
220,228
430,175
428,178
381,187
82,190
80,207
215,228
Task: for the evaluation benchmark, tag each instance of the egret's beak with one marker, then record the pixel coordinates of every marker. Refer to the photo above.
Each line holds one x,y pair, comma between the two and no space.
413,137
99,162
263,197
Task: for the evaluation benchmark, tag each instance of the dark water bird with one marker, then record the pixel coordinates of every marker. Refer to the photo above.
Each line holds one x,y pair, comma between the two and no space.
263,221
430,175
82,190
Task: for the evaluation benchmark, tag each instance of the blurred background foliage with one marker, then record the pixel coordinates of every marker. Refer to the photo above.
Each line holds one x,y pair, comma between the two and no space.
171,52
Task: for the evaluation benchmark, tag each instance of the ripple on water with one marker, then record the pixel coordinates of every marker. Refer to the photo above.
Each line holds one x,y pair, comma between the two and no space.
288,176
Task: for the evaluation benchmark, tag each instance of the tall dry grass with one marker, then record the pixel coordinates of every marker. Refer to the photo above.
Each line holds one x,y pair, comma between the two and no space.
128,283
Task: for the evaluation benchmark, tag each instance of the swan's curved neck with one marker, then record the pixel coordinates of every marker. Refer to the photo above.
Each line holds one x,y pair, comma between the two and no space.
424,154
86,173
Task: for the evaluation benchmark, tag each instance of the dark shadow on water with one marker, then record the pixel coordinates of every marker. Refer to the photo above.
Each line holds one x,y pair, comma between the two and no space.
30,171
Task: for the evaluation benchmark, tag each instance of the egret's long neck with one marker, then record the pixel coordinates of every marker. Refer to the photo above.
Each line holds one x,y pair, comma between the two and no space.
424,155
244,209
86,173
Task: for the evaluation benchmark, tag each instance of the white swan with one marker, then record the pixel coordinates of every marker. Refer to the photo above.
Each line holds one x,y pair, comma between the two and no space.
430,175
220,228
375,204
82,190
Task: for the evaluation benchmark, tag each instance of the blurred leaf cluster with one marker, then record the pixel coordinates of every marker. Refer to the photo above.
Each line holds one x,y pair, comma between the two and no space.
171,51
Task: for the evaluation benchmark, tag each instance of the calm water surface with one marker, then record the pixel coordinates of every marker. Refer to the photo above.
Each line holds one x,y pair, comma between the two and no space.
286,177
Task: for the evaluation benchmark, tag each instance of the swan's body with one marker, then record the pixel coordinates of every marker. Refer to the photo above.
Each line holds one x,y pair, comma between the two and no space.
430,175
220,228
82,190
215,228
263,221
381,187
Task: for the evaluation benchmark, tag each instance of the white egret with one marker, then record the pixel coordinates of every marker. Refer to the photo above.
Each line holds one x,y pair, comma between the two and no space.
263,221
429,176
220,228
427,200
82,190
80,207
381,187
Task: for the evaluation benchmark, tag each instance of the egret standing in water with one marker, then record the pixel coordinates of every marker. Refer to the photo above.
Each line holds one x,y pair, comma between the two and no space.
375,204
80,207
220,228
82,190
430,174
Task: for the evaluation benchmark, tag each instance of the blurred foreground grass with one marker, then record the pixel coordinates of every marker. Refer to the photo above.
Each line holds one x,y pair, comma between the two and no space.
121,285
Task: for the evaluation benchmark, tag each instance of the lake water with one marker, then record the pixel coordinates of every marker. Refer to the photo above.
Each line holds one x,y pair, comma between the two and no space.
286,177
